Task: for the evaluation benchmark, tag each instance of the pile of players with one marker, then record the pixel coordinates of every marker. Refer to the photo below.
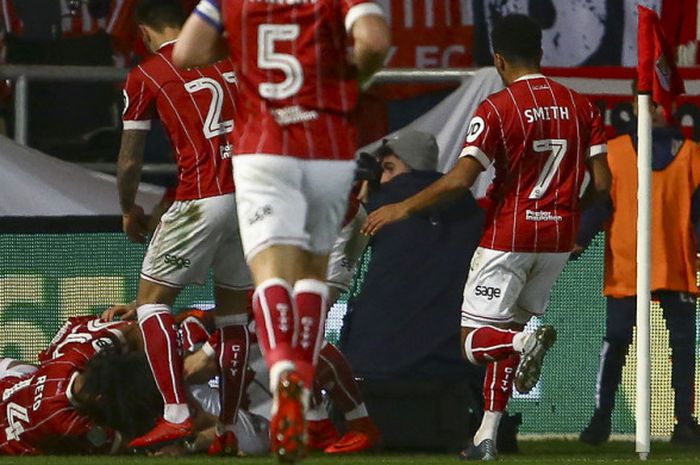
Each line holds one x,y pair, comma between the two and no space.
92,392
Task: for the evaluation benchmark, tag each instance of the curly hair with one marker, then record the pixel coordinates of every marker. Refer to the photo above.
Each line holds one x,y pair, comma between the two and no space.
119,392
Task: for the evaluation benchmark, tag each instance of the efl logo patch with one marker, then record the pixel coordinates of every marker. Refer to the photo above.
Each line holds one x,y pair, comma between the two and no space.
476,127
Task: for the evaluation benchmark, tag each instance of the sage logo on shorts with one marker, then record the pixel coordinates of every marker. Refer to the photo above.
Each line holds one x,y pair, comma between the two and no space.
177,262
487,291
260,214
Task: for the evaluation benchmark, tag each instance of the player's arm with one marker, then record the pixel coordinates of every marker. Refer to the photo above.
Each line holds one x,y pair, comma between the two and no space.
129,167
601,180
200,41
458,180
372,39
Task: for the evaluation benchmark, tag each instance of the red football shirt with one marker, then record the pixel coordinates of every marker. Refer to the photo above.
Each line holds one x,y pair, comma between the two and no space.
197,109
296,83
38,414
539,134
81,330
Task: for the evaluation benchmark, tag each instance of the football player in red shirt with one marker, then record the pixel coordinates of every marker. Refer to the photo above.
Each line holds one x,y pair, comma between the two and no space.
200,230
76,402
543,138
293,165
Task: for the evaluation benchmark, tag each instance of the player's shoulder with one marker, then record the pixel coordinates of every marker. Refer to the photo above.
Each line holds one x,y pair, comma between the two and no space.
153,68
582,102
73,359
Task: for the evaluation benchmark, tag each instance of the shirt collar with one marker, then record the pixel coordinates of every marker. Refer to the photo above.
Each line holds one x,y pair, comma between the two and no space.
165,44
69,390
530,76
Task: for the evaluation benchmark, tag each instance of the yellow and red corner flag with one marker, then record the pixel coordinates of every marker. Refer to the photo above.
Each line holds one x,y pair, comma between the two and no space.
656,69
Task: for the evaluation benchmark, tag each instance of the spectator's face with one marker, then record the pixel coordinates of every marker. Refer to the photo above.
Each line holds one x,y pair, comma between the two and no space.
392,166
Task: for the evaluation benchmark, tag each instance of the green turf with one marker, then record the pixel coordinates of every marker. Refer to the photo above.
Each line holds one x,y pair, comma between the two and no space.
532,452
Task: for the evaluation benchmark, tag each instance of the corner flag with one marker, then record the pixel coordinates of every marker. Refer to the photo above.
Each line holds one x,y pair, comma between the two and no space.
656,70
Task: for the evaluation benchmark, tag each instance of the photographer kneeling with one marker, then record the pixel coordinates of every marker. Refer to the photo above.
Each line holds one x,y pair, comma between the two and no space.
402,330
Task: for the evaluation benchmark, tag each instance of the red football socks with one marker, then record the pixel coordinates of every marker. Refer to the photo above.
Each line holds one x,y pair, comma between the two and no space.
161,346
498,383
274,316
232,356
488,344
335,376
310,297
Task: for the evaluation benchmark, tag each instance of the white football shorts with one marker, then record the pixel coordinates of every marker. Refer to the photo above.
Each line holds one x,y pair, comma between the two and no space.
509,287
11,368
251,430
347,250
194,236
290,201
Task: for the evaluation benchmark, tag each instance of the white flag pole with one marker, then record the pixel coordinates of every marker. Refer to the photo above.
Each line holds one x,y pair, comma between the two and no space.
643,407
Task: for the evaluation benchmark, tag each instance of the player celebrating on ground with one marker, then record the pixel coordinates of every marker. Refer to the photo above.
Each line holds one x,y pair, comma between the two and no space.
542,137
61,406
199,231
293,164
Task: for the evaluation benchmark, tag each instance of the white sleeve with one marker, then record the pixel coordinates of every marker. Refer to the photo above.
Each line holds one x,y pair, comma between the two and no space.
357,11
210,11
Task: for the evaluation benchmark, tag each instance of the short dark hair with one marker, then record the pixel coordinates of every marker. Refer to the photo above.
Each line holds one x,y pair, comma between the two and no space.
160,14
518,38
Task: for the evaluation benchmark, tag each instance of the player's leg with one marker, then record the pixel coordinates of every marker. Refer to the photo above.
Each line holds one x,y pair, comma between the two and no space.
490,327
500,290
161,345
326,185
620,319
681,320
272,226
232,359
232,284
533,300
488,332
180,253
335,375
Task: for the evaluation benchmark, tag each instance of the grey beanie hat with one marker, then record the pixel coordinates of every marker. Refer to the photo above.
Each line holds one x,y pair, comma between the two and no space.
417,149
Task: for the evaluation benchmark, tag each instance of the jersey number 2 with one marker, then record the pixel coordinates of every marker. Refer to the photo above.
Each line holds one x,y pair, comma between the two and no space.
290,65
557,147
213,126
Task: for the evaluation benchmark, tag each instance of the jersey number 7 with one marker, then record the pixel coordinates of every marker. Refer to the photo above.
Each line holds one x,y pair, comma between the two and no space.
557,147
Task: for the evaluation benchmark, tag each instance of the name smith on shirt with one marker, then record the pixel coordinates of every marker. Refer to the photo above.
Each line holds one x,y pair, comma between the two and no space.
546,113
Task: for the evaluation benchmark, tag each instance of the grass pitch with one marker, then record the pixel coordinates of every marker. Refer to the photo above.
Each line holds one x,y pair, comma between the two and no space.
531,453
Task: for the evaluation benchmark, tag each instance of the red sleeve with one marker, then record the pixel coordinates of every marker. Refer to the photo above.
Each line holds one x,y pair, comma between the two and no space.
139,102
597,144
483,138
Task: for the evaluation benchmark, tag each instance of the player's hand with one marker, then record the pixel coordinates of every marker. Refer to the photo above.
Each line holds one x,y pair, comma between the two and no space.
135,224
386,215
198,368
126,312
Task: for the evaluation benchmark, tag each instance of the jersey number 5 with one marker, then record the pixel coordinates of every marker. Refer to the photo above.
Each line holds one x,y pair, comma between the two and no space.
268,34
557,147
213,126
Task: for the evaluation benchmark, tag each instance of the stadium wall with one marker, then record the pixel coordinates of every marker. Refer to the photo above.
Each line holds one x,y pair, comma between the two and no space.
48,277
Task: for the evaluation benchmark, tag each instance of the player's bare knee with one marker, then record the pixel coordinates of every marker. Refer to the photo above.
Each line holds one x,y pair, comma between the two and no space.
153,293
230,301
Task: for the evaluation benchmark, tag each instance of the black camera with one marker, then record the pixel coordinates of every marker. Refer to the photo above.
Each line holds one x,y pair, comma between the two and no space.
368,169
